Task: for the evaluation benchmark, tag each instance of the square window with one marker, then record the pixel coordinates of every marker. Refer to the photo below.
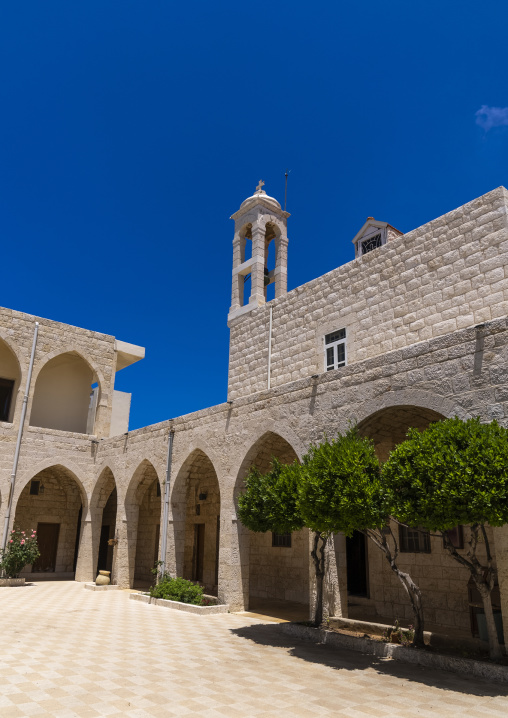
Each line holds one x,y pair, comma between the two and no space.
367,245
281,540
456,536
414,540
34,488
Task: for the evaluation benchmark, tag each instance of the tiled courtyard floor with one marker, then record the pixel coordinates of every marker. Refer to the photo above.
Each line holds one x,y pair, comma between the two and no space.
68,652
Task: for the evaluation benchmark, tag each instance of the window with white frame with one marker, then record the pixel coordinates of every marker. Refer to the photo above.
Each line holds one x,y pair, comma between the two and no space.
335,349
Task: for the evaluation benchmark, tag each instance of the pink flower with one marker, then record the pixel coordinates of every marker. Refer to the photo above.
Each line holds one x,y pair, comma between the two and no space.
23,533
10,541
12,532
32,536
22,541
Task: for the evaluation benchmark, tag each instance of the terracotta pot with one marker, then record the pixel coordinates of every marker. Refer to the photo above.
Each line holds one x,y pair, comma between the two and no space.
103,578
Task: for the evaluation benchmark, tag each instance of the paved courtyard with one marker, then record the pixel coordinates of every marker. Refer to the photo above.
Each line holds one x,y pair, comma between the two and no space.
68,652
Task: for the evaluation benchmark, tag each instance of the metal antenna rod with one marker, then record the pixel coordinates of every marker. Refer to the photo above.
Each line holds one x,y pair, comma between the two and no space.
286,189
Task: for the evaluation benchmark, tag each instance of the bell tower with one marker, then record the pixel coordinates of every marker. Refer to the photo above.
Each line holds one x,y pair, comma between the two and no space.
259,222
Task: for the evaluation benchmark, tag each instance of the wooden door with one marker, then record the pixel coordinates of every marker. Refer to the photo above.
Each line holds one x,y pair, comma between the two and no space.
47,539
199,552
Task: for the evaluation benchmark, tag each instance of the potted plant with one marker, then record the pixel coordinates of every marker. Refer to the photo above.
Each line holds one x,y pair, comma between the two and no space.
21,550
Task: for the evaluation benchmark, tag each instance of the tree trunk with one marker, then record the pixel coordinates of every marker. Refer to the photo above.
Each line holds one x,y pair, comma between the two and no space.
319,566
412,590
415,596
494,646
484,578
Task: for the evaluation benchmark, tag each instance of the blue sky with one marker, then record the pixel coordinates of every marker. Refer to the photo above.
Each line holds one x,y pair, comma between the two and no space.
131,131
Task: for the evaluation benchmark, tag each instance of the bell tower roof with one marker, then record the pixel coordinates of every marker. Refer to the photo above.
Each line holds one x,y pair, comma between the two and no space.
259,198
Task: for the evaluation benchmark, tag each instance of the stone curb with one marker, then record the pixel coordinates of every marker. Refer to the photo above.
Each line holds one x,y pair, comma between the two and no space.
12,581
464,666
93,587
178,606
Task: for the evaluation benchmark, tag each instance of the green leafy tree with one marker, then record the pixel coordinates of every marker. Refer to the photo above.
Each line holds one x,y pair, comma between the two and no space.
455,473
21,550
340,490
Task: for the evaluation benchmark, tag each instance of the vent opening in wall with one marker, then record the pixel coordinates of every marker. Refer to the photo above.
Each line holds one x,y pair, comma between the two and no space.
367,245
335,349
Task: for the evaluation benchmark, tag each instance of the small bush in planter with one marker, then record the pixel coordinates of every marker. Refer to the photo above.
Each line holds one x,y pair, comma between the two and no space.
177,589
21,550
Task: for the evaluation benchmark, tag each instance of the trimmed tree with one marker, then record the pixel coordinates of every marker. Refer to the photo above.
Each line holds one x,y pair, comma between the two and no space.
455,473
340,490
270,503
21,550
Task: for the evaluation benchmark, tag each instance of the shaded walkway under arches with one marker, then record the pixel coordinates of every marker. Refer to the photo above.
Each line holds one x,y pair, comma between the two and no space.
53,504
196,521
275,569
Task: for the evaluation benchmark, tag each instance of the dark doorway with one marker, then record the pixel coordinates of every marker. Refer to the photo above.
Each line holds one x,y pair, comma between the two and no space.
47,539
199,552
78,534
6,389
102,563
356,552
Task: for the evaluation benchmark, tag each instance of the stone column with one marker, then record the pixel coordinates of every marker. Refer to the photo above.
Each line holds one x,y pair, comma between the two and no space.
501,547
257,295
281,266
236,293
88,552
339,550
125,555
233,562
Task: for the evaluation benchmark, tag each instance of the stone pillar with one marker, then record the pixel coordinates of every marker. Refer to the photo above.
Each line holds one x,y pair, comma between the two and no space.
339,550
281,266
88,552
257,295
233,563
237,288
125,555
501,548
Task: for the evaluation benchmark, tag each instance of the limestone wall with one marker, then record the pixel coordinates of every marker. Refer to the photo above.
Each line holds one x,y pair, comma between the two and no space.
446,275
443,582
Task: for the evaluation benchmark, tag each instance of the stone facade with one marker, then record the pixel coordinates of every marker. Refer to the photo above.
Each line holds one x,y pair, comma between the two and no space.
427,337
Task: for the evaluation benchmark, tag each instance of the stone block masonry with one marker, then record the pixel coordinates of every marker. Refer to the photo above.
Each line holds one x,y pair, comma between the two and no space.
448,274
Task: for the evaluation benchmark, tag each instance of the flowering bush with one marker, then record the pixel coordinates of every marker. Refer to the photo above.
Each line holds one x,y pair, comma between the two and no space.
21,550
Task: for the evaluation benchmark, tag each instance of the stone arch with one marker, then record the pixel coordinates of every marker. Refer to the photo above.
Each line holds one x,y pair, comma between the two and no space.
385,421
196,509
139,530
53,501
103,514
274,570
410,397
62,394
10,379
61,462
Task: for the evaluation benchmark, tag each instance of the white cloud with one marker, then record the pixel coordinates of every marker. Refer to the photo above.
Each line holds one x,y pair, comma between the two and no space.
489,117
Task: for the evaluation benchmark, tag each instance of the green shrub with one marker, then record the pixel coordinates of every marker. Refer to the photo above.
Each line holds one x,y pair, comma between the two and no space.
21,550
177,589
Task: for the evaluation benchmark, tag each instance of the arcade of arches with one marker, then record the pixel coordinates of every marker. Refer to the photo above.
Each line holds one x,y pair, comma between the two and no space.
270,571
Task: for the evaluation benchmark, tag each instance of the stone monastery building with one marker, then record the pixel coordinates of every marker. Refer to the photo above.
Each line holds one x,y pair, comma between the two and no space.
413,329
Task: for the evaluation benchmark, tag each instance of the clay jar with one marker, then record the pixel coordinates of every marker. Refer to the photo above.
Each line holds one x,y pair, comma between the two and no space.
103,578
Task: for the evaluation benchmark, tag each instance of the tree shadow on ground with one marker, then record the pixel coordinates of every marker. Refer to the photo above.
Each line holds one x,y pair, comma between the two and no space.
343,659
